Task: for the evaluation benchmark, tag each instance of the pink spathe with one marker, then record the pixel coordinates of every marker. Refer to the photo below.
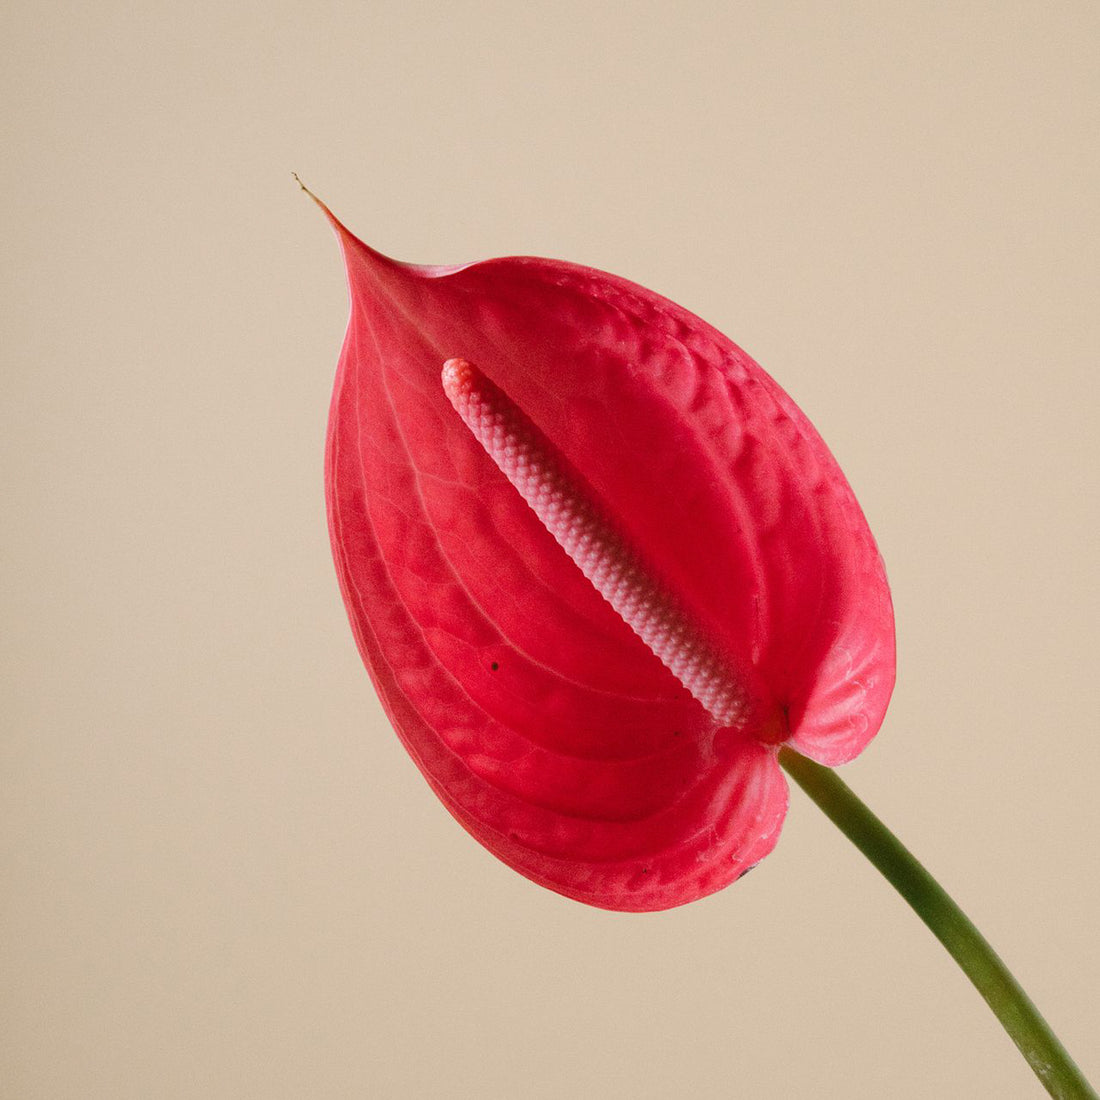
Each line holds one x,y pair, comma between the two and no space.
598,577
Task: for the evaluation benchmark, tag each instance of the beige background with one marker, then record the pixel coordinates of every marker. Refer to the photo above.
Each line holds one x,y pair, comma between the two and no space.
221,875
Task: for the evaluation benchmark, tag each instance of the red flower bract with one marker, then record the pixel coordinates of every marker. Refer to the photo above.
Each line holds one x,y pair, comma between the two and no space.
569,741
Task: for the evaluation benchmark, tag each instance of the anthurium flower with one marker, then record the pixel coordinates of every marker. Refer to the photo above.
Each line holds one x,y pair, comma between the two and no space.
600,568
608,581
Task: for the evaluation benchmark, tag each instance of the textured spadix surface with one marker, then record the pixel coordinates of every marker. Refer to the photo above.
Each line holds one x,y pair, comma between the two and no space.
557,733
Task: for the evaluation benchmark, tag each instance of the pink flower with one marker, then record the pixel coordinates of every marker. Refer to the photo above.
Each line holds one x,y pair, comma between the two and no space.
599,568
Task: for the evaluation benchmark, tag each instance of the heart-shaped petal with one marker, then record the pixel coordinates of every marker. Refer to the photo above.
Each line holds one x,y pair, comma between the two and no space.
549,728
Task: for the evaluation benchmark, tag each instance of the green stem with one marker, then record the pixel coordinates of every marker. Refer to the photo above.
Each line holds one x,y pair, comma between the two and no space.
951,926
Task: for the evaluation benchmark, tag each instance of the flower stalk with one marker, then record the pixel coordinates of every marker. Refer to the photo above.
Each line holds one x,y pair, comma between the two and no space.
1050,1061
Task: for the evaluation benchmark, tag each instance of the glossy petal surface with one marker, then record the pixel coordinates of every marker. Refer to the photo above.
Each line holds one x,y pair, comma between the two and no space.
546,726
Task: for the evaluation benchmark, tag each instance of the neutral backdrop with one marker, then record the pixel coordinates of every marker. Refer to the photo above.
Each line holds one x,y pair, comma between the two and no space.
221,875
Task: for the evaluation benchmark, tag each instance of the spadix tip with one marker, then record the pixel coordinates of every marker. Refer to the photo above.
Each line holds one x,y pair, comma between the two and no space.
459,377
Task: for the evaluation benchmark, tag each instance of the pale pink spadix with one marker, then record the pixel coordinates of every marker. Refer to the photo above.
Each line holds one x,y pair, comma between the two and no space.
582,529
596,600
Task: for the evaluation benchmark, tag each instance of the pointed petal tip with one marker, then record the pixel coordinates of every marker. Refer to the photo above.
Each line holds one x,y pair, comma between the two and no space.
375,261
348,240
337,225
